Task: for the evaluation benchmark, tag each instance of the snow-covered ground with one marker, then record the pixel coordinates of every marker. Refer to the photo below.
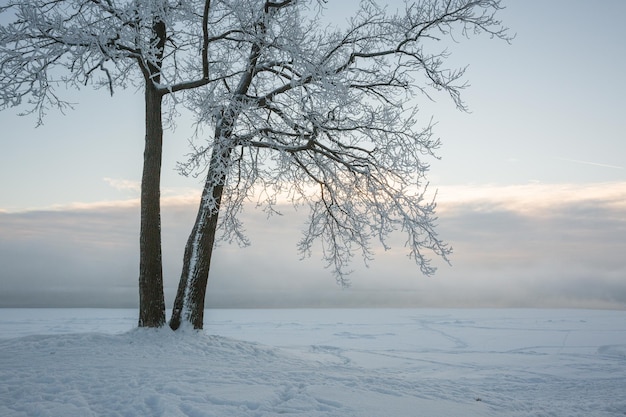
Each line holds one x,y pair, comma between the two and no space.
383,363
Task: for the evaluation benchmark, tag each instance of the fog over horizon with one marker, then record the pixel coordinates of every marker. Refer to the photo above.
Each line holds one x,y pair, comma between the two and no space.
538,245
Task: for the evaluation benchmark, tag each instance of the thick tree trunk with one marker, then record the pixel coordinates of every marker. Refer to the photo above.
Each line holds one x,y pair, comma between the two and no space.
151,298
189,302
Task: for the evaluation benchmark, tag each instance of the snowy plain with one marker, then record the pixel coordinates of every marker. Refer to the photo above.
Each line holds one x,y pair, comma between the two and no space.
327,362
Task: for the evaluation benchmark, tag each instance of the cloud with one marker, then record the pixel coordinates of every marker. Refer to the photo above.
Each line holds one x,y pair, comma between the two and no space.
534,245
123,185
535,199
537,244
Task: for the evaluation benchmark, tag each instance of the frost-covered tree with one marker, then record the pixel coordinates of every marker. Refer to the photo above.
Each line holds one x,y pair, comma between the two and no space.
158,45
322,115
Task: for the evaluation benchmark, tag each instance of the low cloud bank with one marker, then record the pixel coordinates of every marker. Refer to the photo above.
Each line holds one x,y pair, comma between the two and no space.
523,246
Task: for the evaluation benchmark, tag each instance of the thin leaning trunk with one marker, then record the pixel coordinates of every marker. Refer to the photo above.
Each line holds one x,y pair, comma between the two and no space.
151,298
189,302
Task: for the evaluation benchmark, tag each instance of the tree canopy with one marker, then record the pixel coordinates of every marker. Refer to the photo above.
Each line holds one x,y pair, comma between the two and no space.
321,115
318,113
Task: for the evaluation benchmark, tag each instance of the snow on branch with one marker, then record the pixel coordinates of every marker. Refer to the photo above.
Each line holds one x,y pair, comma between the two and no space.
103,43
325,117
317,112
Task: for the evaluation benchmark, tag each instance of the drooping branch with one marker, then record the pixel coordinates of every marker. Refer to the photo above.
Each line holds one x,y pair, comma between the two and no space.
326,110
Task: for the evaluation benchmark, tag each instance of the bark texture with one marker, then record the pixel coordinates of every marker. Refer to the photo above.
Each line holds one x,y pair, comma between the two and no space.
189,302
151,298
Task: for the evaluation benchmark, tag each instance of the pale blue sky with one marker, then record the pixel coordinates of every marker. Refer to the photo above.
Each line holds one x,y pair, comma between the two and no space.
532,184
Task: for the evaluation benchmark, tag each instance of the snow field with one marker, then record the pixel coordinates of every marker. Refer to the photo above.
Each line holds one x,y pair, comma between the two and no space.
358,363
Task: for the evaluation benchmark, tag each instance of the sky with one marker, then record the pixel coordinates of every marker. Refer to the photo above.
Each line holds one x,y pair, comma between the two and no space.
531,190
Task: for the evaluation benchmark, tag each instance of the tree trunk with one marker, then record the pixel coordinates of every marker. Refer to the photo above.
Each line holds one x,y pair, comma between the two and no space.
189,302
151,298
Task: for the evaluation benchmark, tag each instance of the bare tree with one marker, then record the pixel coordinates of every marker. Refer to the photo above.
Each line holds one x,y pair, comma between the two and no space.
159,45
321,115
